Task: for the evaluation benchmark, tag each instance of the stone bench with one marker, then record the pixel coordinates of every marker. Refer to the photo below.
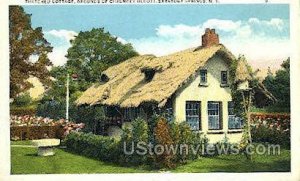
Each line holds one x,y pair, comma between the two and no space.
46,146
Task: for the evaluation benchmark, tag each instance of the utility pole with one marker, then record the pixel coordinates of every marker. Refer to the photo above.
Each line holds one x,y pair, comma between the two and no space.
67,97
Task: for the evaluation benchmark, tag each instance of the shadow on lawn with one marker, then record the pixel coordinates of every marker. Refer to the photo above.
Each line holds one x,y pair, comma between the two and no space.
32,155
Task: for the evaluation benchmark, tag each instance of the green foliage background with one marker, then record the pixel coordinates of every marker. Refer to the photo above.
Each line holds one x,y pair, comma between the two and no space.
279,84
91,53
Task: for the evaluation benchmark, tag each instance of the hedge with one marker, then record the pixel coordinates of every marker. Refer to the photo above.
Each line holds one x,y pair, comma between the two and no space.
36,132
112,150
32,127
94,146
20,111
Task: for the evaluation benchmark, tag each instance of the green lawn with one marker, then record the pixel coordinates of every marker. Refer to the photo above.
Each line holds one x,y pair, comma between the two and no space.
25,161
239,163
27,142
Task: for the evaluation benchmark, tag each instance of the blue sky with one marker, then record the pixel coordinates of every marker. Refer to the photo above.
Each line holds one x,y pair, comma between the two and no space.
164,29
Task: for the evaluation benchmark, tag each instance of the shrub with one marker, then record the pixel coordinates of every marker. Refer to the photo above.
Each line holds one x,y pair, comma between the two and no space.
169,135
183,135
22,100
266,134
94,146
163,137
140,130
138,134
176,134
203,141
225,147
271,128
185,138
108,149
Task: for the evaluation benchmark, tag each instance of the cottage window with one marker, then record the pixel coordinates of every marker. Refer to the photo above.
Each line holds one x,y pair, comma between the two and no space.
224,77
234,122
203,76
214,115
192,112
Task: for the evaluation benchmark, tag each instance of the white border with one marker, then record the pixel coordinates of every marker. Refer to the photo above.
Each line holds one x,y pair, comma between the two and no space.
295,114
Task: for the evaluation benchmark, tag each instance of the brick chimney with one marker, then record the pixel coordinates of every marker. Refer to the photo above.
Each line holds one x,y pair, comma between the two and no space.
210,38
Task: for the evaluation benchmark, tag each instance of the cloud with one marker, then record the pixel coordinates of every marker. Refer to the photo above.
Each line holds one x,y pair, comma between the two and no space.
224,25
60,40
263,42
178,31
58,55
121,40
64,34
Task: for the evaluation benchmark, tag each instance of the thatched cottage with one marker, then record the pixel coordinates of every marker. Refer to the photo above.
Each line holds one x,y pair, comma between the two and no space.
190,85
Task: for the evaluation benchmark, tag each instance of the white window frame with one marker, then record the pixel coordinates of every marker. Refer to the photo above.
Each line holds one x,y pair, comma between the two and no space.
233,118
224,82
196,114
205,76
214,113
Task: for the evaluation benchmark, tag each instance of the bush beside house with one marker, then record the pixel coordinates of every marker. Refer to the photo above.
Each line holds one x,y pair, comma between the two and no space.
112,150
265,128
95,146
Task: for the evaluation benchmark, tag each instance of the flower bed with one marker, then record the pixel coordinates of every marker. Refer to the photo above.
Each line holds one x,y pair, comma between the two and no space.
32,127
271,128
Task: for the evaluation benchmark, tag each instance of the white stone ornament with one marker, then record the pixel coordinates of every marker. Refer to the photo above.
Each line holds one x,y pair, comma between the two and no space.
46,146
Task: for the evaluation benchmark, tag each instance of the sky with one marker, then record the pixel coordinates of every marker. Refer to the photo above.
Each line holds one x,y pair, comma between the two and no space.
258,31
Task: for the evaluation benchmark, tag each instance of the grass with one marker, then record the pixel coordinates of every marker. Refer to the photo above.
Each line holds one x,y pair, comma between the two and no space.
25,142
25,161
239,163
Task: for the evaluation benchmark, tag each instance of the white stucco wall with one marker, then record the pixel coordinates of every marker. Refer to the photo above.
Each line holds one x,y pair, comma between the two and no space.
213,92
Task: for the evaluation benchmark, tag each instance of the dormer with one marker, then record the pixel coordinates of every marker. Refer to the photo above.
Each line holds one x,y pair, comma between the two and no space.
104,78
149,73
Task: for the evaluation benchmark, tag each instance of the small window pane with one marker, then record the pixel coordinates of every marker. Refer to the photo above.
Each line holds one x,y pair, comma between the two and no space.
193,114
203,76
224,77
213,115
234,122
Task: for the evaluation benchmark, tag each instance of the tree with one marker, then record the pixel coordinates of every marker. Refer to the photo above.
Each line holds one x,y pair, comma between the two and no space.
26,42
91,52
279,85
94,51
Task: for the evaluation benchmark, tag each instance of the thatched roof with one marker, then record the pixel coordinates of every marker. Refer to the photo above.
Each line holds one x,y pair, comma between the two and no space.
242,72
127,86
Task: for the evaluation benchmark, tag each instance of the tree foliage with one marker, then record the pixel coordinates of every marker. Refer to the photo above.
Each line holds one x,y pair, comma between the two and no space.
279,84
26,42
94,51
91,52
235,93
